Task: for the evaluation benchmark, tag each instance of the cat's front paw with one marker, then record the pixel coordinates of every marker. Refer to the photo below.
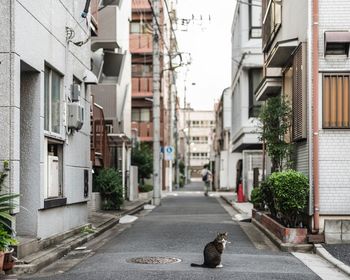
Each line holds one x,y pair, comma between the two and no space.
219,266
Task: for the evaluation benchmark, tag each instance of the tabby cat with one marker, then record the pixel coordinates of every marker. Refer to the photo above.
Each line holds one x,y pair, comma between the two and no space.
212,252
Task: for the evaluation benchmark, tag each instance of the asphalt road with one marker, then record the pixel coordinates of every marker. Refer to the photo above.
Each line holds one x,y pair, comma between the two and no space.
180,228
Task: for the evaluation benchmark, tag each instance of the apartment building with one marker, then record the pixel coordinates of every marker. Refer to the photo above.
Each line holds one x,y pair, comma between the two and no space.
111,63
195,140
45,112
309,65
225,160
141,48
247,69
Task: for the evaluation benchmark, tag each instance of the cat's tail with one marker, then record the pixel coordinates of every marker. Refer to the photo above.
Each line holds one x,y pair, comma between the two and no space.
197,265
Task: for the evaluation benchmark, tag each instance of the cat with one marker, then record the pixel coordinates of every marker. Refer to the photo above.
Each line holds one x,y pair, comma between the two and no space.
212,252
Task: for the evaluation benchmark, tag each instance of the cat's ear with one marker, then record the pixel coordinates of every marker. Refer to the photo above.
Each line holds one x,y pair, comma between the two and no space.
226,233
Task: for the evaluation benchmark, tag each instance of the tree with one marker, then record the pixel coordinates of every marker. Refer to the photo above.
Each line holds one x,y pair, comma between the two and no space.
275,118
142,157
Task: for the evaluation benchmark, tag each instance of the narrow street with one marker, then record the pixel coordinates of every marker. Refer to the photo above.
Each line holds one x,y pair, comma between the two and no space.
180,228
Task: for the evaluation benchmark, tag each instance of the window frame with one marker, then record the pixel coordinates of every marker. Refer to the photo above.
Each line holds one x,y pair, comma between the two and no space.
251,104
48,105
250,19
329,127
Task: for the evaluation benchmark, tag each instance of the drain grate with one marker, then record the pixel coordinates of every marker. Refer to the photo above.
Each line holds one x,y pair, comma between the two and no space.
154,260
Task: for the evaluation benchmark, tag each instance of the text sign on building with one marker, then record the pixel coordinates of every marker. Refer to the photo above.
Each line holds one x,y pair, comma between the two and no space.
169,152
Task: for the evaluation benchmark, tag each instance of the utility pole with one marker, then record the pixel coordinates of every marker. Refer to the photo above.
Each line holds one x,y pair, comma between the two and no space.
156,105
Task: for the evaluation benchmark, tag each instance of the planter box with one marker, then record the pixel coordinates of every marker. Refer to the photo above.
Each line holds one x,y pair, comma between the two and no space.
286,235
145,195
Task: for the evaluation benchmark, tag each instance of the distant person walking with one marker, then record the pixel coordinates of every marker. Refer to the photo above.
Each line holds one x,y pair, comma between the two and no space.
206,178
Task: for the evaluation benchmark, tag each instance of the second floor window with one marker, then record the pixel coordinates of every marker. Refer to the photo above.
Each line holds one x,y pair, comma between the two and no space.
254,20
52,101
255,77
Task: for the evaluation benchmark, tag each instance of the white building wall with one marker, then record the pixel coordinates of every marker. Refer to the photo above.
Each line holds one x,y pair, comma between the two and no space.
39,37
334,156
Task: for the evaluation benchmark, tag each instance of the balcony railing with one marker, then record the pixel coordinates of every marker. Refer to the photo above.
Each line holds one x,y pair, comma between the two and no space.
141,5
271,11
100,154
142,87
107,29
145,131
141,43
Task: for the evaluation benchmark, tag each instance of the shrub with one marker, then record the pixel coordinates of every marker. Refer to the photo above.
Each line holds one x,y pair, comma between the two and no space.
256,198
145,188
109,183
290,194
267,196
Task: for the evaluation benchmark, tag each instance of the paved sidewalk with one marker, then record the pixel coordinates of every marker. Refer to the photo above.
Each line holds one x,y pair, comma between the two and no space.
244,208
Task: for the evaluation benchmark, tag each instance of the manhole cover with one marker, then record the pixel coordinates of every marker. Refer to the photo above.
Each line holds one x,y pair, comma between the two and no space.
154,260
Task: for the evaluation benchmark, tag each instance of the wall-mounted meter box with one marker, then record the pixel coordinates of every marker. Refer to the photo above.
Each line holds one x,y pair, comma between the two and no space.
75,116
75,92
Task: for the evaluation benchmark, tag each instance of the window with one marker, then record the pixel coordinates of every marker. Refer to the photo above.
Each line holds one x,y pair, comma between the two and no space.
145,115
142,70
140,27
255,77
135,115
336,42
109,126
254,20
299,95
52,100
336,113
141,115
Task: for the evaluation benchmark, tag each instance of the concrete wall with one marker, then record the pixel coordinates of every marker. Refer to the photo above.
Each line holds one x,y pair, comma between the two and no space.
34,32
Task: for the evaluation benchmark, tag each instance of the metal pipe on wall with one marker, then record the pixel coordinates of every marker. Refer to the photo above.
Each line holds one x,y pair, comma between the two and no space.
315,126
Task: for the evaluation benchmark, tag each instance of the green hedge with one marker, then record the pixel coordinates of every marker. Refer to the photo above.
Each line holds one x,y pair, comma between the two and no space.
286,195
145,188
110,185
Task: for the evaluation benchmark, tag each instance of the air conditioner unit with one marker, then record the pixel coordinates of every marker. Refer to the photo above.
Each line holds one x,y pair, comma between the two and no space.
75,116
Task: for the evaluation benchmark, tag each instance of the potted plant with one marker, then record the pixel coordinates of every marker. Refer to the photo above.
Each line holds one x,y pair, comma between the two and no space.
6,241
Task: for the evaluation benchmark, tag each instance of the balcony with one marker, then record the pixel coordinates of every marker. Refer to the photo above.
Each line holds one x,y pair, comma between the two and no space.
145,131
141,5
100,154
107,29
141,43
142,87
272,20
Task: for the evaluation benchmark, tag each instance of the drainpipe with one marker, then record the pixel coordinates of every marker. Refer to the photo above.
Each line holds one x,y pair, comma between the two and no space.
86,9
315,127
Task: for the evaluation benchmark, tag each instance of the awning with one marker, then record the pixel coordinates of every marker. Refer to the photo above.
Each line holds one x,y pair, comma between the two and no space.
269,86
281,53
337,42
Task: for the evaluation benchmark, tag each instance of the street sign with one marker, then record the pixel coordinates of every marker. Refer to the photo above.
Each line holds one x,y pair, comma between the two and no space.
169,153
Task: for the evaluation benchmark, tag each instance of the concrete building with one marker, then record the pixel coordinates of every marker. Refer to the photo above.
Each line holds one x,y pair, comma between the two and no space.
247,63
309,64
195,140
225,160
141,48
112,66
45,112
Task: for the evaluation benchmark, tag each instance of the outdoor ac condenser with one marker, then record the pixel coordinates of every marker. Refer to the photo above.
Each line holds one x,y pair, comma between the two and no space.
75,116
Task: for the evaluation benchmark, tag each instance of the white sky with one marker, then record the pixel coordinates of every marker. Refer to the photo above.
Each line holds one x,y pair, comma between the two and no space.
210,48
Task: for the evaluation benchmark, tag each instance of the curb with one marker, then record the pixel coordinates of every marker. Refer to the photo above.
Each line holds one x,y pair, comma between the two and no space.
322,252
61,251
232,205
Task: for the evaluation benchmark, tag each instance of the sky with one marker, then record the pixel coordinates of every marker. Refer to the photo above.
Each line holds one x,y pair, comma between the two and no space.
209,43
